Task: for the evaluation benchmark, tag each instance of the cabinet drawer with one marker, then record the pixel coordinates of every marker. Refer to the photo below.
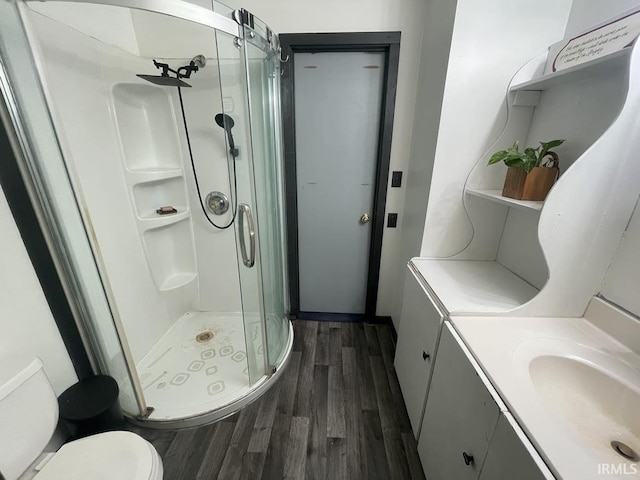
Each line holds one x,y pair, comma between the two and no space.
420,322
460,416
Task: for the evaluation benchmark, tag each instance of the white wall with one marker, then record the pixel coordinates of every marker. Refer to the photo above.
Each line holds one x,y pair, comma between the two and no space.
434,57
114,27
622,283
586,13
216,249
489,45
26,324
407,16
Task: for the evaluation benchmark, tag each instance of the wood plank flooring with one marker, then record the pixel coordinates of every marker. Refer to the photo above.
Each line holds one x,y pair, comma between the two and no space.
336,413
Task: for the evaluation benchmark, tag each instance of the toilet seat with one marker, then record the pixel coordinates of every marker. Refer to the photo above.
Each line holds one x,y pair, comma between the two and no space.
106,456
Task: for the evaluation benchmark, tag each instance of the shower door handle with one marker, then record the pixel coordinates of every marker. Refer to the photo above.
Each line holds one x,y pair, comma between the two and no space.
245,211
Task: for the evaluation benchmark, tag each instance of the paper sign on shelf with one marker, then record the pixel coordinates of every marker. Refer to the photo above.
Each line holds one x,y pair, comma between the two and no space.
612,36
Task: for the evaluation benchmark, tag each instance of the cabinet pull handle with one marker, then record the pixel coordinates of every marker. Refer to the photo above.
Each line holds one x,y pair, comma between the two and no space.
425,355
468,459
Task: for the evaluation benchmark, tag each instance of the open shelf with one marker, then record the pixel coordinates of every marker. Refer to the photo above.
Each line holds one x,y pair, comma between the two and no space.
480,286
170,254
603,65
150,196
147,127
152,175
155,220
496,196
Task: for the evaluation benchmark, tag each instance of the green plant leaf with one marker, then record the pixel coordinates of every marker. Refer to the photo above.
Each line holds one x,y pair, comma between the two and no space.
497,157
551,144
546,146
514,162
528,159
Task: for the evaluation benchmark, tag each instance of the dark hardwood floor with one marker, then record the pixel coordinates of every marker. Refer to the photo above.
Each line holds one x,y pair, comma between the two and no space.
336,413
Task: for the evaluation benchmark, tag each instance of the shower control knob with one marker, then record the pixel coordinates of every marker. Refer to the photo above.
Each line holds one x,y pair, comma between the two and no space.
217,203
365,218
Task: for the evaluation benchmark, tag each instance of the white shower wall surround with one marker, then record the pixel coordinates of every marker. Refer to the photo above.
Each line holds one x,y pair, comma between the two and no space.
124,171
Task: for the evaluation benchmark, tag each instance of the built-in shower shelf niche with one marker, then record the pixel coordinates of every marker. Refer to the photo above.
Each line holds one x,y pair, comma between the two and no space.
147,126
152,156
150,196
156,220
153,175
177,280
170,254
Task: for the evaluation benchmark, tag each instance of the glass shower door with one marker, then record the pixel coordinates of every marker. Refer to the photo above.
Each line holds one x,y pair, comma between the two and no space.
240,158
263,73
53,196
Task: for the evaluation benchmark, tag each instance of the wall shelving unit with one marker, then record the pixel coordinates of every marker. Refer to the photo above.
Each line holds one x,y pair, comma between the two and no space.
549,258
585,71
496,196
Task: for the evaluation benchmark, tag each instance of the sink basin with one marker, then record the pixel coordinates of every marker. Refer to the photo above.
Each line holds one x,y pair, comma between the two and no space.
573,386
592,395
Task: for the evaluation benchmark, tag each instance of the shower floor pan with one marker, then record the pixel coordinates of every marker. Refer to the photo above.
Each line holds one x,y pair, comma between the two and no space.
198,366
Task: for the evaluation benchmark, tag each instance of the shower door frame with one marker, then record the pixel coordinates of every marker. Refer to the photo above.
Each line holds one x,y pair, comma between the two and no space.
173,8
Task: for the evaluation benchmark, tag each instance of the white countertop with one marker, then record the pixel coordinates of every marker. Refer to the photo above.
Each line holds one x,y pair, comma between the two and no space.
553,412
473,286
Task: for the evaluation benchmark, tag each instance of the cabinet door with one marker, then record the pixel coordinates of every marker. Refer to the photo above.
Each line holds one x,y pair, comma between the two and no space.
417,339
460,416
511,456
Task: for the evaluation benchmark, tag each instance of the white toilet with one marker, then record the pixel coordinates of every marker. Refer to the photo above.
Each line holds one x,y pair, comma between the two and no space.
28,418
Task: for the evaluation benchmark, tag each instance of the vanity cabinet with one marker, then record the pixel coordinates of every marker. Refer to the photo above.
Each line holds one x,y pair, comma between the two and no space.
419,328
466,433
509,457
459,419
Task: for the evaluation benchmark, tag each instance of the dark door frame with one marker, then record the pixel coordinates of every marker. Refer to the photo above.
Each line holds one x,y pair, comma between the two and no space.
292,43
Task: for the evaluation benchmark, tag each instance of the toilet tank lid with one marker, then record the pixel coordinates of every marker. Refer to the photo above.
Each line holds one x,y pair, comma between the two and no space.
15,371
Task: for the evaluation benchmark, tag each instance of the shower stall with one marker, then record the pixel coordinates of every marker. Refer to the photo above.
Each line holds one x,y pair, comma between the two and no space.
151,139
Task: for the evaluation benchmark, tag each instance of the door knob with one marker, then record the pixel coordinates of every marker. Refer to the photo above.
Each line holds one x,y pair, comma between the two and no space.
364,218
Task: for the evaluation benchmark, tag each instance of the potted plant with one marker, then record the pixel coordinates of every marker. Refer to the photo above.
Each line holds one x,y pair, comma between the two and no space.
531,173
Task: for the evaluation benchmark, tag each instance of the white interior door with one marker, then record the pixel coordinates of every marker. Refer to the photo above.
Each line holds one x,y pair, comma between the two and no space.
338,98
